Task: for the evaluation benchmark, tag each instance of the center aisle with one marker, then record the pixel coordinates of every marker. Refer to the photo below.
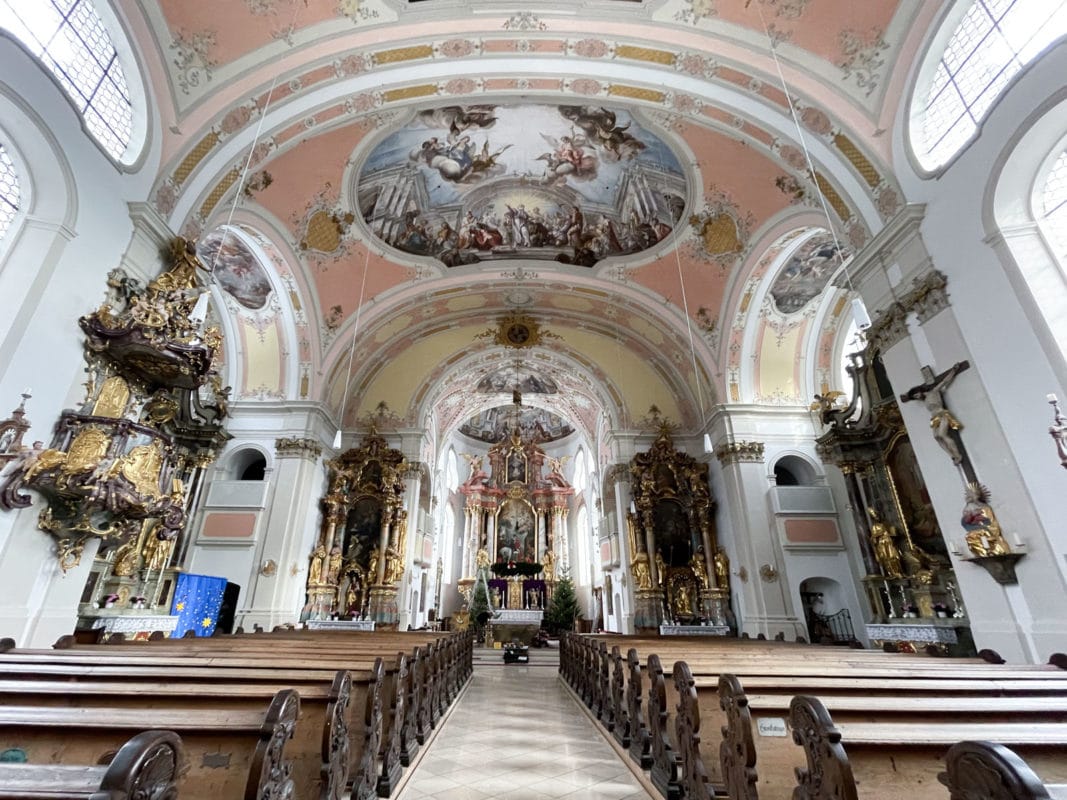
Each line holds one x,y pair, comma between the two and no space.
517,733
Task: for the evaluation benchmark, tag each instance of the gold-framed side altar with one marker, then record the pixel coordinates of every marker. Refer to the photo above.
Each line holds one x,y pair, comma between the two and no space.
680,575
357,561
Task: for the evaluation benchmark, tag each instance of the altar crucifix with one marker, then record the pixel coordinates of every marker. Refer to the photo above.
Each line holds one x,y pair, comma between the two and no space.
943,423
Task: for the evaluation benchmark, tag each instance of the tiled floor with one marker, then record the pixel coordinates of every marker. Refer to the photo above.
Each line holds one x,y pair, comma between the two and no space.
516,733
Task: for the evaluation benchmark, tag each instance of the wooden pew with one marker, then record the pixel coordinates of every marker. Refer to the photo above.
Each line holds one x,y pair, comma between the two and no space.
892,760
238,754
319,748
989,771
147,766
368,770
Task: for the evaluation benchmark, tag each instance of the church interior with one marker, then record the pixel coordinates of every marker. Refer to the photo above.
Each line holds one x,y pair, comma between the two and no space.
680,323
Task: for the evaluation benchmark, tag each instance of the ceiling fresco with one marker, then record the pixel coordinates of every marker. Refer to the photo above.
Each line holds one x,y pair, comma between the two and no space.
535,424
508,378
235,268
572,184
806,274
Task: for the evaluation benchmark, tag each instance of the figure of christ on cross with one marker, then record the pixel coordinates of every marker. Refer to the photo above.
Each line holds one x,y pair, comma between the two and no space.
942,421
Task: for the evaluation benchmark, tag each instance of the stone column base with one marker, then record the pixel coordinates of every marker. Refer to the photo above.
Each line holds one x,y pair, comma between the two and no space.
648,610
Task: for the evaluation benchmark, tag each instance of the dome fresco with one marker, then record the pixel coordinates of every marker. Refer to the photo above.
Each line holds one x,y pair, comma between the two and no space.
573,184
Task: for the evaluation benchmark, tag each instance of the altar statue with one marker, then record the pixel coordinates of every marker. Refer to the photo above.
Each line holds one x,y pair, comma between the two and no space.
885,551
661,568
984,537
333,566
683,603
372,565
481,559
639,570
548,566
722,569
700,568
318,555
932,394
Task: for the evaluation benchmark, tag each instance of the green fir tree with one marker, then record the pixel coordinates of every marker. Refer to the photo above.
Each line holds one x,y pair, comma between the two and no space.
480,612
563,610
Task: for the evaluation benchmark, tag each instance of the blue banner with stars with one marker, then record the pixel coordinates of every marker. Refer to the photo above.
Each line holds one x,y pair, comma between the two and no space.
197,599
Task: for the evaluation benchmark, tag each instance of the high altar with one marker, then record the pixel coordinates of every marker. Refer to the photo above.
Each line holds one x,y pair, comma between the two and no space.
515,524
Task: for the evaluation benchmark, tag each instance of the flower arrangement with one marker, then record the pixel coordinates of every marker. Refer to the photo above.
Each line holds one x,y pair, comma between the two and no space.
110,600
911,610
942,610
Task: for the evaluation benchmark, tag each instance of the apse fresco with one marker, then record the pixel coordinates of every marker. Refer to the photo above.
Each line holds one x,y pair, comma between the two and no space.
806,273
535,425
235,269
507,379
574,184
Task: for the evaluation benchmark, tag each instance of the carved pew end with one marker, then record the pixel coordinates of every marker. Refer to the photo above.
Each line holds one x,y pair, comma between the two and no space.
1056,659
990,770
992,656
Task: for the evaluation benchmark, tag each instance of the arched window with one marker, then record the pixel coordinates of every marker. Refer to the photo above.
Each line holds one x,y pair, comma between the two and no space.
9,192
1053,206
580,472
584,534
451,472
72,41
994,40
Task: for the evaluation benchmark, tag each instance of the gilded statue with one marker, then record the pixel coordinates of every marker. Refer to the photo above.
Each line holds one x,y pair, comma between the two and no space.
125,561
683,603
548,566
481,560
372,565
333,566
157,551
984,536
661,568
722,569
885,551
318,556
394,569
640,572
700,568
351,598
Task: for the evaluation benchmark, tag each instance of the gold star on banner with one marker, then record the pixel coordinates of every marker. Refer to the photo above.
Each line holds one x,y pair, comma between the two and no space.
180,606
207,622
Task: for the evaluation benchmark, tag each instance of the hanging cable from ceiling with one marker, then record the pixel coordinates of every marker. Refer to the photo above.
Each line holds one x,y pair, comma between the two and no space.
693,353
352,351
859,310
199,312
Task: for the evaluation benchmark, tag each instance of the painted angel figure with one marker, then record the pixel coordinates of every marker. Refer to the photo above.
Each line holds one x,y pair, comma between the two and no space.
567,157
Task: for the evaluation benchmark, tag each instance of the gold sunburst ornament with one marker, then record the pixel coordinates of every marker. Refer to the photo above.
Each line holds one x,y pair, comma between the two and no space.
519,331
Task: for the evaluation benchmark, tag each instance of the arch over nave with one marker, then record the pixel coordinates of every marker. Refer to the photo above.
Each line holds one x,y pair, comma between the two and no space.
672,203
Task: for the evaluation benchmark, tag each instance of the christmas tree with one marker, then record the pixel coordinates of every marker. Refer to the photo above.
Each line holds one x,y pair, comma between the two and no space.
563,610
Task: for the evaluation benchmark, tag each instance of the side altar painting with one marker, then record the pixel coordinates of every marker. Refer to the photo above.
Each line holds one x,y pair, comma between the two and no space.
574,184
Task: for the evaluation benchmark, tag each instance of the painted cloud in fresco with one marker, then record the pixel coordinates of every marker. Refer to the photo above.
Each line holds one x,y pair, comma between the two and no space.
574,184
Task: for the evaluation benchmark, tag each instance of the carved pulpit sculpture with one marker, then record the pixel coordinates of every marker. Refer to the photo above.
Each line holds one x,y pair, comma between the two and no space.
125,465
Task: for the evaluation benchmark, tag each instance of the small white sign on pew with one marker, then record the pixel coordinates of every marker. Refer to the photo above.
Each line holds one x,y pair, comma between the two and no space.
771,726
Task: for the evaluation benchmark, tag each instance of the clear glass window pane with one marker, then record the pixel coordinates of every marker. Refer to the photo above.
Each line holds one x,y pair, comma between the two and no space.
9,192
994,40
73,43
1054,205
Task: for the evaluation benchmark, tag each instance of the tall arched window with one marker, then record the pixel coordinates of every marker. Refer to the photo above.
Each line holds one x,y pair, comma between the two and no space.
451,472
1054,206
580,472
994,40
9,192
72,41
584,534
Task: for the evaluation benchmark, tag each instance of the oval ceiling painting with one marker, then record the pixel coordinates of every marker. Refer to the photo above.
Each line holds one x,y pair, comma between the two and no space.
575,184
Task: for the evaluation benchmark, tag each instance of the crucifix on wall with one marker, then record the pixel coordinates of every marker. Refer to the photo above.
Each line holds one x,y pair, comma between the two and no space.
943,423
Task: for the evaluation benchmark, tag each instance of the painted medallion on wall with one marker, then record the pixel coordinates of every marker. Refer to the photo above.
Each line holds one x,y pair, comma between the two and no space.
235,268
574,184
